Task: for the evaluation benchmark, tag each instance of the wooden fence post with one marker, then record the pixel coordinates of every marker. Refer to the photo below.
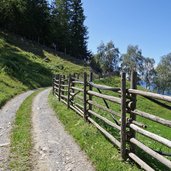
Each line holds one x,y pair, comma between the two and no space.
85,96
123,117
90,88
69,85
53,85
73,85
62,83
57,81
133,106
59,93
78,76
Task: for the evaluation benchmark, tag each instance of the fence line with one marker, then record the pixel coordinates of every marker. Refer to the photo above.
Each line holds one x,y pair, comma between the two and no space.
79,95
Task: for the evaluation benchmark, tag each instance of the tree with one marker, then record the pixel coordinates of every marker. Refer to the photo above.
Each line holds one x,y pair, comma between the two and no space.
61,17
149,71
95,65
37,19
28,18
132,60
11,13
78,31
61,24
107,57
111,57
163,79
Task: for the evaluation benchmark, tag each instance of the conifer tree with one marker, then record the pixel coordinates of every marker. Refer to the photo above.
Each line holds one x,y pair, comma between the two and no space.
37,19
78,30
61,24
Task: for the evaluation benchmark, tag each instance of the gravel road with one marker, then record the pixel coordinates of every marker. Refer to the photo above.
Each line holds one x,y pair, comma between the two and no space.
7,116
54,149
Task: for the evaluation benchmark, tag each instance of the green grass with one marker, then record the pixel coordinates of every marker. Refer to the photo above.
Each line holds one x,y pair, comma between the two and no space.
22,66
103,154
144,105
21,137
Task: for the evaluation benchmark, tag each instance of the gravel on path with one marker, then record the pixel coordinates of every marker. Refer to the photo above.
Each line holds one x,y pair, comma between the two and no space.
7,116
54,149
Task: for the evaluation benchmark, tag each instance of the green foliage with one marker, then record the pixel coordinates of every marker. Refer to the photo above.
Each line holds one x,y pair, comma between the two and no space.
132,60
61,24
25,17
61,14
163,79
78,31
107,58
148,71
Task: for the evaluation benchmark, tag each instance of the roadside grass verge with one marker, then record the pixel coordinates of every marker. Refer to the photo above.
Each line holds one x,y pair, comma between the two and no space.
102,153
21,138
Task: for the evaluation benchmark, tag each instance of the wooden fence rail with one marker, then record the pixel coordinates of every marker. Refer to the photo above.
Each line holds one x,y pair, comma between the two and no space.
80,96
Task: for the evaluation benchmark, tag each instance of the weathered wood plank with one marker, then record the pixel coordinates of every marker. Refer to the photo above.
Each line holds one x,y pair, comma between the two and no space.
151,135
78,89
85,96
152,153
78,82
64,97
59,91
104,108
149,94
103,87
69,85
90,88
77,111
123,116
140,162
133,106
153,118
105,120
107,97
109,136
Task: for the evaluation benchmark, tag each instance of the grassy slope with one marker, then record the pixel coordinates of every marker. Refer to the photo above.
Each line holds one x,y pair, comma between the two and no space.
150,107
22,66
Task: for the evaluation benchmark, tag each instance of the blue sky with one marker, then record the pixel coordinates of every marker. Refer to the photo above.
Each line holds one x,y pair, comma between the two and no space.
146,23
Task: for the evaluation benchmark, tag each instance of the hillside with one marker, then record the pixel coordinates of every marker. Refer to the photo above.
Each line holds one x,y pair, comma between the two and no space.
25,65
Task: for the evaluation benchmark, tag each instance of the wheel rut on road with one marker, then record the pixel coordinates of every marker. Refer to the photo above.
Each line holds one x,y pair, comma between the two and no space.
7,116
54,149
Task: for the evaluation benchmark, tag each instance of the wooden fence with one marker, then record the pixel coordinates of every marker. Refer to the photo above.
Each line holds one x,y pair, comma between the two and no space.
68,89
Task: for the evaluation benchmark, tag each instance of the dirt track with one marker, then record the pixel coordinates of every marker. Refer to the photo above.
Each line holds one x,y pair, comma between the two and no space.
54,149
7,116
